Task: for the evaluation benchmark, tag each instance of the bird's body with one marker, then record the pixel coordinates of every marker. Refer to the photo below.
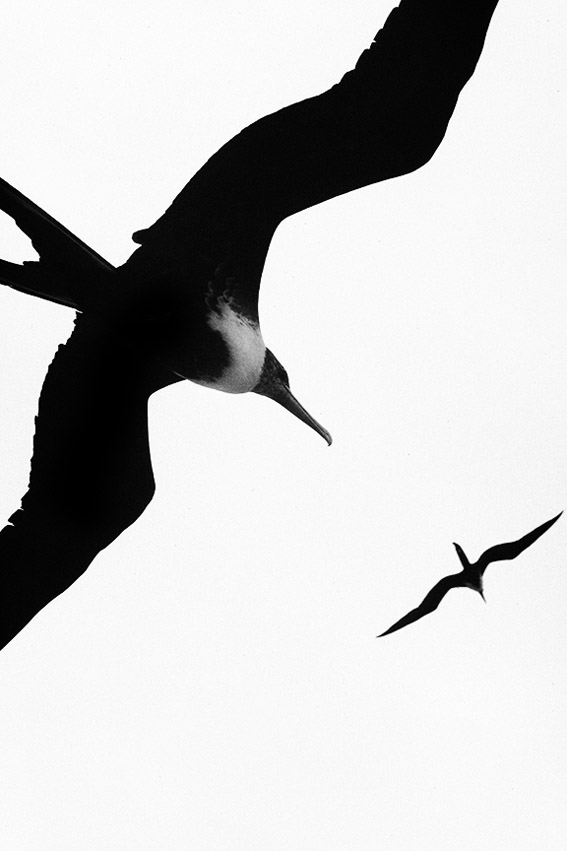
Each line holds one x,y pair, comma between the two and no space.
200,332
244,344
471,576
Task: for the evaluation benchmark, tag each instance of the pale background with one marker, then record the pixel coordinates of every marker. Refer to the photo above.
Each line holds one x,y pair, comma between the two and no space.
214,681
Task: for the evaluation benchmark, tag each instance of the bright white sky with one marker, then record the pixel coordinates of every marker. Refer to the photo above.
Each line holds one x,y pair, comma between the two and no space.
214,680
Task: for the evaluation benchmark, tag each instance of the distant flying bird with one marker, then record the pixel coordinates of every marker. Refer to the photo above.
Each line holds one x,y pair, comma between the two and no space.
471,574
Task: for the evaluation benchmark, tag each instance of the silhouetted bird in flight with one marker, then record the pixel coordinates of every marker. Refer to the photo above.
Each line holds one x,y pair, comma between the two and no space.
471,575
190,292
185,304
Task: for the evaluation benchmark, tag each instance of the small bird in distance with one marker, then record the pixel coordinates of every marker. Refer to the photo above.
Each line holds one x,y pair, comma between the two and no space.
471,575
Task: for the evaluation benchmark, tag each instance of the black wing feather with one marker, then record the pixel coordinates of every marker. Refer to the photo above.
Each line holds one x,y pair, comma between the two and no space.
505,552
385,118
429,603
91,474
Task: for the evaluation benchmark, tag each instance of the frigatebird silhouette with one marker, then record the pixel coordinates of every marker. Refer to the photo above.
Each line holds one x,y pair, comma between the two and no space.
190,292
185,304
471,575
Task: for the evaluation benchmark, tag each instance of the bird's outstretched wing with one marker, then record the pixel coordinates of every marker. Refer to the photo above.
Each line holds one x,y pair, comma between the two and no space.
91,474
430,602
505,552
385,118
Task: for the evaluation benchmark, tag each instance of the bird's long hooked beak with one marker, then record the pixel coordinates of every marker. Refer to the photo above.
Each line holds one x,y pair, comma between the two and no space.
283,395
274,383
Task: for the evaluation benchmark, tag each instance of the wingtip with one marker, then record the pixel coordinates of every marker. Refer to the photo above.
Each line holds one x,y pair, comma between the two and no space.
553,520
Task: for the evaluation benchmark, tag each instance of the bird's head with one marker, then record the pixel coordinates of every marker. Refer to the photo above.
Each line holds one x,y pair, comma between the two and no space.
274,383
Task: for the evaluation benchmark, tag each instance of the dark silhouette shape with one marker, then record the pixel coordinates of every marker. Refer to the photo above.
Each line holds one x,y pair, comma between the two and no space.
471,574
185,305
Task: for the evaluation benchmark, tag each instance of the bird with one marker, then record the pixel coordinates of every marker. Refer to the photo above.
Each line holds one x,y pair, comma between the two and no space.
471,576
189,293
184,305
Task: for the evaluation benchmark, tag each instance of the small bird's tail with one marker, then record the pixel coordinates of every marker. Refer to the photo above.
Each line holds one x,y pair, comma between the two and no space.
67,268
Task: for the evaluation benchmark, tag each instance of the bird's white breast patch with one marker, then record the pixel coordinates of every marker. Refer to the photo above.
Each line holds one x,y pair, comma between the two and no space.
246,348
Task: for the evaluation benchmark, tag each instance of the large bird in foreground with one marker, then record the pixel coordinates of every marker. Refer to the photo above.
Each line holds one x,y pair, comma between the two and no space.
185,304
189,294
471,575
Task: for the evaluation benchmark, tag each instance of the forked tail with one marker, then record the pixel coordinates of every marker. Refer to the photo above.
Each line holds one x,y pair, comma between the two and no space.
67,271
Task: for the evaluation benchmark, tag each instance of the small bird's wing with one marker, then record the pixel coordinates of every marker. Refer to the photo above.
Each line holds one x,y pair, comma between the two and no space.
430,602
504,552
